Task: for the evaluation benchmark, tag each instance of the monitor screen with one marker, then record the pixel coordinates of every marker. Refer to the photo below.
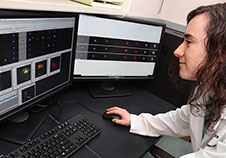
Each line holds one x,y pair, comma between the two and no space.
114,48
36,60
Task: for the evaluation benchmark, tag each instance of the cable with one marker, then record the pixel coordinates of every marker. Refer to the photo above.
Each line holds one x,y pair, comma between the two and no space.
129,2
39,107
66,102
92,151
54,119
60,110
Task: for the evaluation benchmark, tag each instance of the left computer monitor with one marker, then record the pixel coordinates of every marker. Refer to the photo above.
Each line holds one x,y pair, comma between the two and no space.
36,60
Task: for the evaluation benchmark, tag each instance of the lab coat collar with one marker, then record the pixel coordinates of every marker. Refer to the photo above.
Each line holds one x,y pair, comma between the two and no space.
197,126
209,135
223,116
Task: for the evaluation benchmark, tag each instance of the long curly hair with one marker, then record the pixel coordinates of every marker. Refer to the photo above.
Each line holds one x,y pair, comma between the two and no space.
211,77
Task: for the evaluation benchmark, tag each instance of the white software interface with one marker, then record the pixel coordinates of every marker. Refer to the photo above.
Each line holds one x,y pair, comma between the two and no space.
110,47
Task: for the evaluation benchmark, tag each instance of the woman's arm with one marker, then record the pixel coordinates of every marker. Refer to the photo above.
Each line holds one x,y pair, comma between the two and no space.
173,123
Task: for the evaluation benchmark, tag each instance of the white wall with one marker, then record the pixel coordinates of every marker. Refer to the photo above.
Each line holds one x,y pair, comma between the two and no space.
177,10
172,10
145,8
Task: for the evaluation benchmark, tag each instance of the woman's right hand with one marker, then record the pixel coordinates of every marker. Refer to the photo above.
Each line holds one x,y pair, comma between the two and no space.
125,116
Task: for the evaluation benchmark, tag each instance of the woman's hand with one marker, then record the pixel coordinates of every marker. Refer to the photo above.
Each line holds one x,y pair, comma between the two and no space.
125,116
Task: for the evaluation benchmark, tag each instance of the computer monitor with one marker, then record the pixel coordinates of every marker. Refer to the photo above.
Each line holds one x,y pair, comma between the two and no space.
36,60
117,48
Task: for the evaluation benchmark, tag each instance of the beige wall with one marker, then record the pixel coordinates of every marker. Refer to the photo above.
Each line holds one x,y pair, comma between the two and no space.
177,10
172,10
145,8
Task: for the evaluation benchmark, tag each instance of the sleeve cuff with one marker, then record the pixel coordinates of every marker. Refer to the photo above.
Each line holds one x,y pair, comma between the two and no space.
132,123
138,126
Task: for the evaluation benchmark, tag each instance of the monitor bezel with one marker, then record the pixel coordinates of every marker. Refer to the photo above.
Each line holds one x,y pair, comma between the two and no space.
24,14
116,78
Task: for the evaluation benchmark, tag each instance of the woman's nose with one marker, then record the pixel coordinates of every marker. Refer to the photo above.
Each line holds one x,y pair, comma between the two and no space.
179,52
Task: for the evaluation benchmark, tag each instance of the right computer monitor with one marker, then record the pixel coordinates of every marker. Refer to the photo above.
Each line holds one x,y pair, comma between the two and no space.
110,48
116,48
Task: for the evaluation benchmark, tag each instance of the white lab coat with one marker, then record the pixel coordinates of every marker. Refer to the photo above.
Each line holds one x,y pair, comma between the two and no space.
181,122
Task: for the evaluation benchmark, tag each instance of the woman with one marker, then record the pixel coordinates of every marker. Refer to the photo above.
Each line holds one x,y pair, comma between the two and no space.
202,58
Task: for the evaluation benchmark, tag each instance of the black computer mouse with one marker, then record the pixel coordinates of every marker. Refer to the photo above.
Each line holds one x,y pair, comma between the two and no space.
111,116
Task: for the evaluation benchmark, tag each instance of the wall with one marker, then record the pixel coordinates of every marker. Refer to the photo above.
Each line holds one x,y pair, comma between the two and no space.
172,10
146,9
177,10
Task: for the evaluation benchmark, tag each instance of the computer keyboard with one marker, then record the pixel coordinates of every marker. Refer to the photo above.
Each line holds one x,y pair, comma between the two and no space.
60,141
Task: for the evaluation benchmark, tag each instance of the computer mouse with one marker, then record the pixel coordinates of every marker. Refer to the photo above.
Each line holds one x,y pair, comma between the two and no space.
111,116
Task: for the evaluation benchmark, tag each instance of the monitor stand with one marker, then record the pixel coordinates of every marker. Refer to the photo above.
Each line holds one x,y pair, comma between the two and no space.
108,89
20,128
19,118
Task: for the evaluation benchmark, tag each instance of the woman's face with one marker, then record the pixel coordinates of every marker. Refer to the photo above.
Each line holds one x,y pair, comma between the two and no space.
192,52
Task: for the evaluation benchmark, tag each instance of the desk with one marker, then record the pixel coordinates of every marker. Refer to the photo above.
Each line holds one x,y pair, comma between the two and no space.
114,141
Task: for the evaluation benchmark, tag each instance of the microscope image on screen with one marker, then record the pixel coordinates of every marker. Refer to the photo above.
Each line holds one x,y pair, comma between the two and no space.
28,93
40,68
23,74
55,64
5,80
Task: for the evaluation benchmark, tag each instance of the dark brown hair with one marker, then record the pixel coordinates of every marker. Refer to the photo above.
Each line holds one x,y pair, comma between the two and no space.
213,72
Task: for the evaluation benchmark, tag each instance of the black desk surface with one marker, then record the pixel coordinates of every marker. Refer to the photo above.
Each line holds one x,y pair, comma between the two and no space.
114,141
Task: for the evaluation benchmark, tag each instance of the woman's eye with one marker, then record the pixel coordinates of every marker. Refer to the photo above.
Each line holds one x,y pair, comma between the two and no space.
188,42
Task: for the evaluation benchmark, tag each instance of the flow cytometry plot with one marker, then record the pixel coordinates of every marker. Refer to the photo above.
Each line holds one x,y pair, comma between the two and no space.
28,93
40,68
23,74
